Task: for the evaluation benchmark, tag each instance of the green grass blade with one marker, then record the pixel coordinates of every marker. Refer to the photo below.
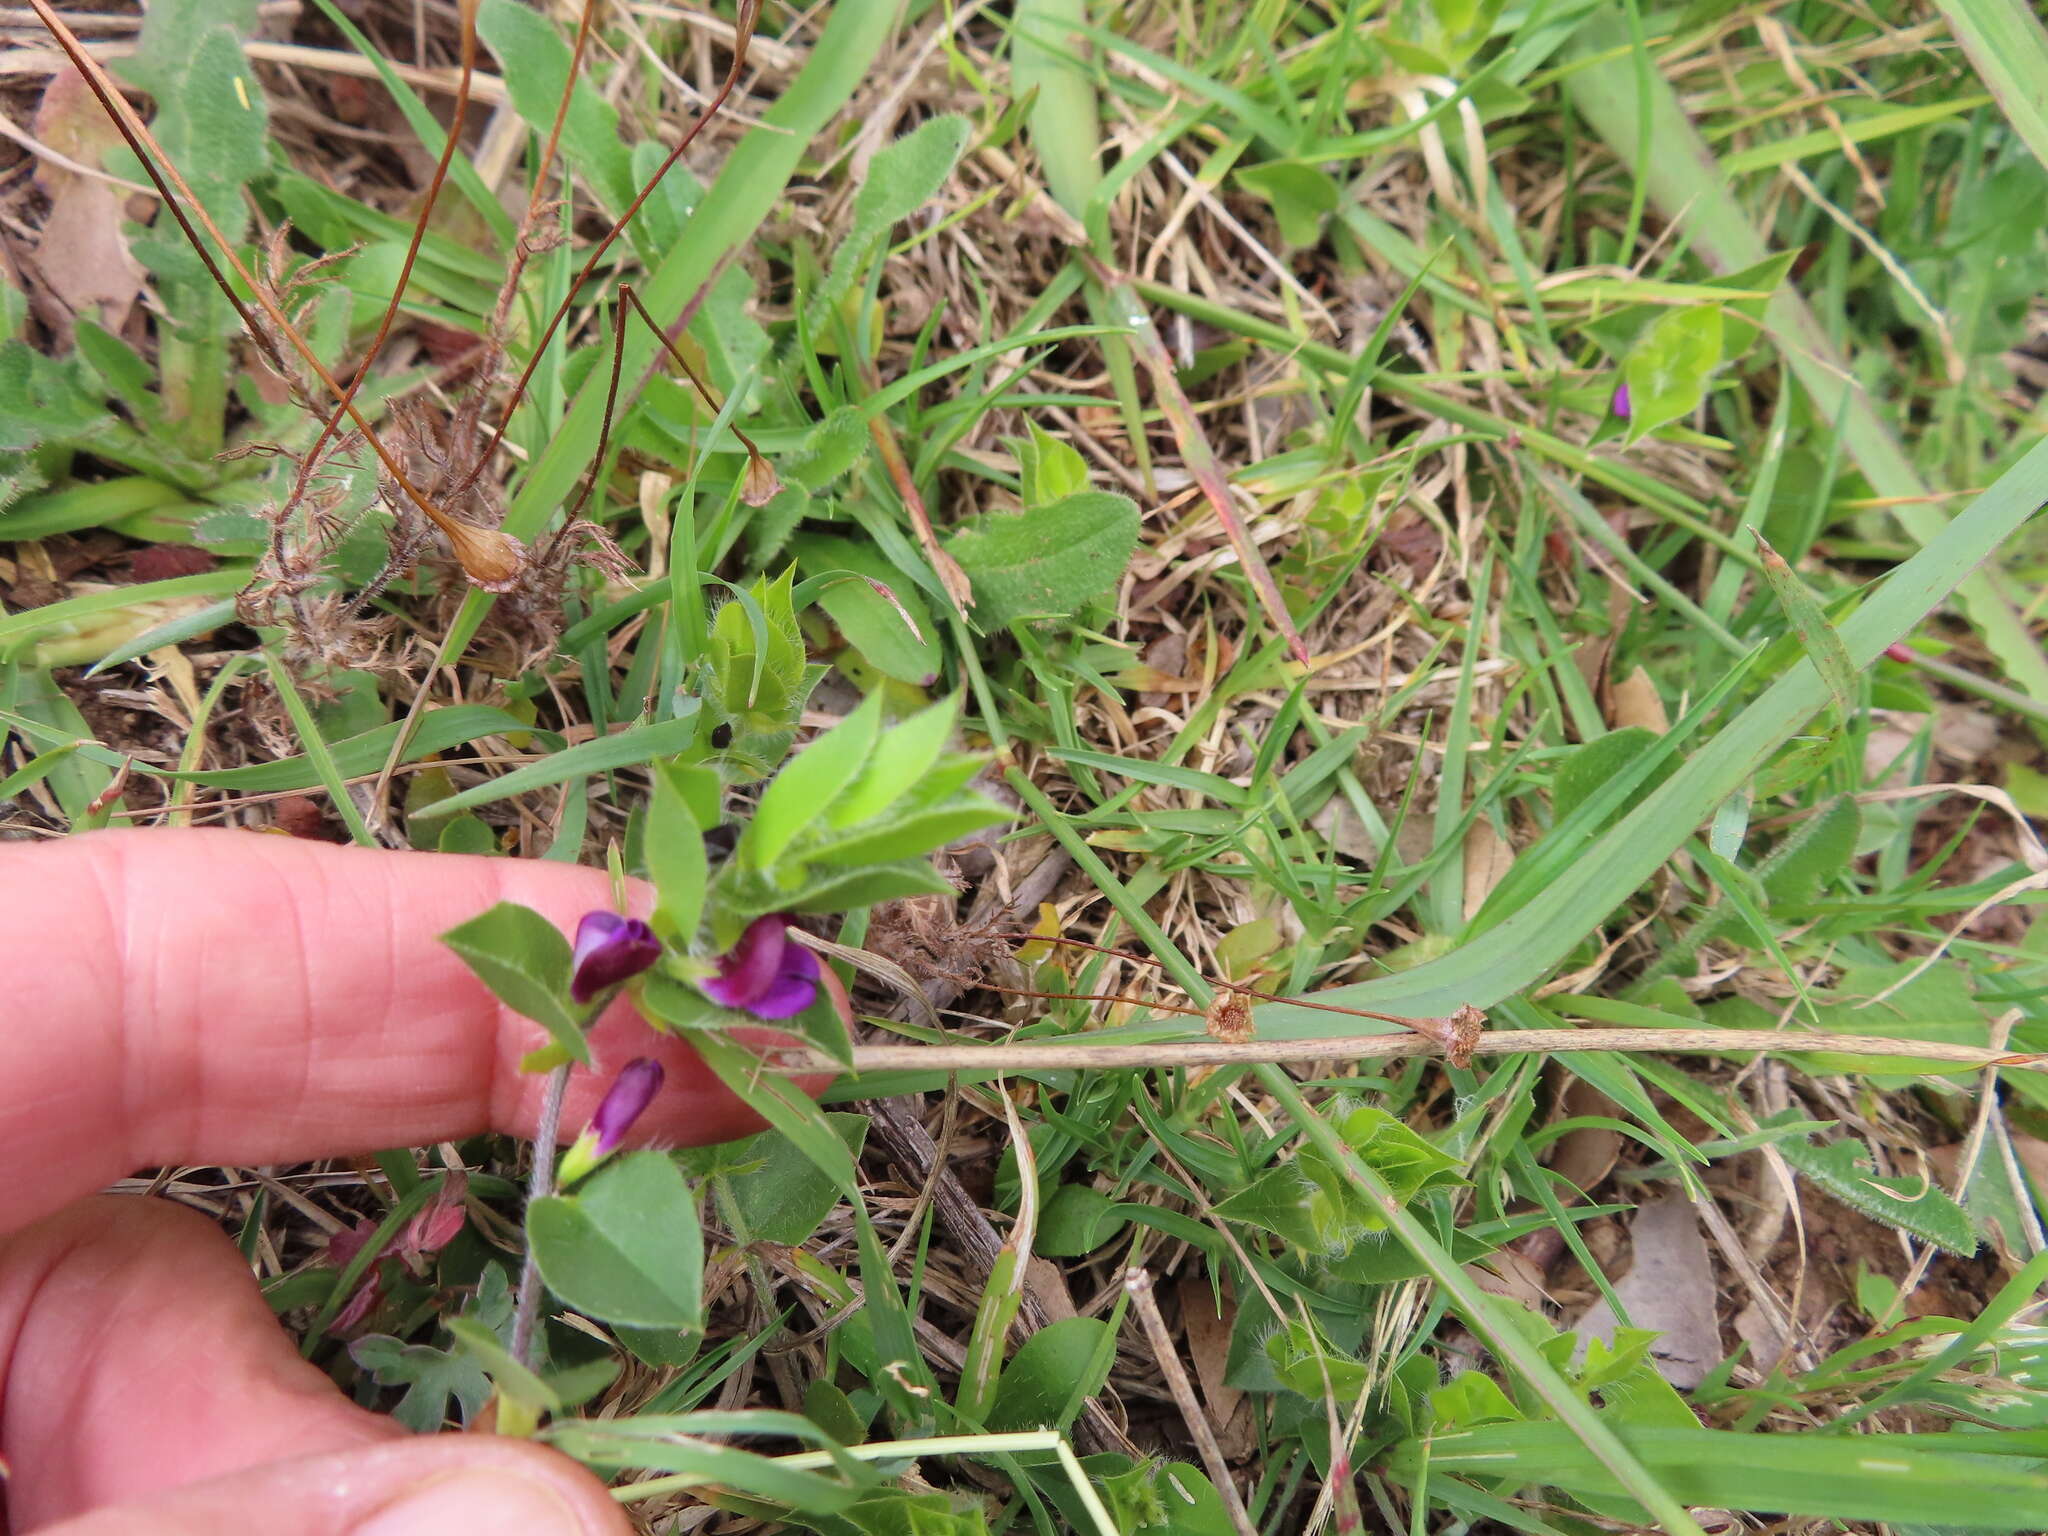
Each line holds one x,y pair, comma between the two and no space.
1690,188
746,192
1524,947
317,753
2009,49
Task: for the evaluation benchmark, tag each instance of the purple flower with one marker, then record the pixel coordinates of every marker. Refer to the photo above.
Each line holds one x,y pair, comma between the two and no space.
1621,401
639,1080
765,973
609,949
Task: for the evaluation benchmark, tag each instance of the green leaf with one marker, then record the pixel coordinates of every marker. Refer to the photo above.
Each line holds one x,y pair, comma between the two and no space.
872,624
1588,768
1833,1478
1469,1399
1046,561
1301,196
675,849
210,116
803,792
525,961
785,1107
830,449
688,1443
534,61
1913,1205
1048,469
1668,369
1812,855
1052,1374
908,836
1309,1202
777,1192
626,1247
901,759
1309,1364
432,1376
1076,1221
1822,642
900,180
513,1379
466,834
866,888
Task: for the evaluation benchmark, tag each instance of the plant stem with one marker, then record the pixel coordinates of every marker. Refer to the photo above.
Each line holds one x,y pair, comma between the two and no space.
539,1185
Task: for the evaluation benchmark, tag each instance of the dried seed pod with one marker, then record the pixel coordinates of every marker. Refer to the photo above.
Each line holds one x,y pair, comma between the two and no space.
1230,1018
490,557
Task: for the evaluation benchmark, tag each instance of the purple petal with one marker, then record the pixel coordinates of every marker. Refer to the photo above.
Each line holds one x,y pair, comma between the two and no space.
793,990
639,1080
609,949
1621,401
749,968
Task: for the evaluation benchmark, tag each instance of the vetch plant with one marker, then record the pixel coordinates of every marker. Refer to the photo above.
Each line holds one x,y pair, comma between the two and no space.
847,822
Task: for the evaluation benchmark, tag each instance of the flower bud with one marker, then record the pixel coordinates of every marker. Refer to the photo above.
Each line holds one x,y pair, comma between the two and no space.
1621,402
765,974
639,1080
609,950
762,485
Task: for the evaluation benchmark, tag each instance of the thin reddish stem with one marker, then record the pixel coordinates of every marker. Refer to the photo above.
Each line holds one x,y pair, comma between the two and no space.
412,251
749,13
165,176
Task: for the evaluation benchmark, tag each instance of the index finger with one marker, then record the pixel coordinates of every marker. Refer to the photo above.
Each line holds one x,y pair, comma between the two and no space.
230,997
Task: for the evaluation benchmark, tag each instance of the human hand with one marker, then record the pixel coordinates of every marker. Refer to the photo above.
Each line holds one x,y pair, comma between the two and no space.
174,997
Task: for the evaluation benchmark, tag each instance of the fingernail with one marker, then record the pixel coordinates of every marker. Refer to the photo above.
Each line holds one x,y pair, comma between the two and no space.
501,1502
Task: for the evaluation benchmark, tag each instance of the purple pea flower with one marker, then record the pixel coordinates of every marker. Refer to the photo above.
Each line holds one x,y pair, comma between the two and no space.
1621,402
639,1080
765,974
609,949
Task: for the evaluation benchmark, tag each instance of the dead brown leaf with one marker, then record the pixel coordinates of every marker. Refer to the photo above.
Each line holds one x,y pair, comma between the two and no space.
83,259
1634,700
1488,857
1669,1287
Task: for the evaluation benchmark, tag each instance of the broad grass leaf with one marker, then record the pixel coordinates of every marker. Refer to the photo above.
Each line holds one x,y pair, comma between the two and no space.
1832,1477
622,749
1048,561
525,960
626,1247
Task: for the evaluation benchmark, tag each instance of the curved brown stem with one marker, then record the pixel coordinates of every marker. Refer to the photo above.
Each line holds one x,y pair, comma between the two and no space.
412,252
748,14
488,556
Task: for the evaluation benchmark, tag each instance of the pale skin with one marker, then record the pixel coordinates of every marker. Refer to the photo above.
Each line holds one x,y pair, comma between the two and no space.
204,997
